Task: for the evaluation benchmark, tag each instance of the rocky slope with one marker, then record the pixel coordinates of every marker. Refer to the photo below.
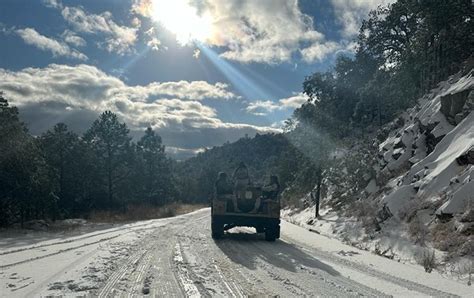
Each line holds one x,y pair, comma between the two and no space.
419,184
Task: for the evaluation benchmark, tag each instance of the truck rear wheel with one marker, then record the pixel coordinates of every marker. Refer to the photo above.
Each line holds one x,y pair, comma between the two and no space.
217,229
272,233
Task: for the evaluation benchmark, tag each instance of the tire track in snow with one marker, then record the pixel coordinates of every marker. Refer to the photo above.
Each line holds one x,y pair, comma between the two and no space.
117,276
217,272
139,263
128,229
71,240
57,252
139,277
183,274
233,287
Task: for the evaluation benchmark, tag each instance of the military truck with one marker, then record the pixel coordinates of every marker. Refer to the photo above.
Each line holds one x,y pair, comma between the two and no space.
253,210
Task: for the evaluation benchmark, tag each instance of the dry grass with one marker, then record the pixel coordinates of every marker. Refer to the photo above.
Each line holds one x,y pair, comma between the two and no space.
446,238
143,212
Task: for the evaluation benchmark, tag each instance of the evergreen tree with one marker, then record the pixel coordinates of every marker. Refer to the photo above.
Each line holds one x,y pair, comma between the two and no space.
109,141
61,150
156,185
24,176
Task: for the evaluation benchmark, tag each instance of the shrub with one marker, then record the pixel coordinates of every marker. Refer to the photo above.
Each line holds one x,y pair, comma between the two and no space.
418,231
427,259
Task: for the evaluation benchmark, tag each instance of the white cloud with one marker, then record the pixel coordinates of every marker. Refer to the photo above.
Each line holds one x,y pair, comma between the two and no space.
319,51
251,31
294,101
57,48
136,22
154,44
350,13
264,107
118,39
53,3
197,53
72,38
86,86
172,107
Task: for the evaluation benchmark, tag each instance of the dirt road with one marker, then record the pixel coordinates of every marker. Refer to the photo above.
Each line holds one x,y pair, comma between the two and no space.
177,257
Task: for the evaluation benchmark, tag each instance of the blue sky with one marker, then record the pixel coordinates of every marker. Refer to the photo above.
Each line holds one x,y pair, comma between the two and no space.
201,72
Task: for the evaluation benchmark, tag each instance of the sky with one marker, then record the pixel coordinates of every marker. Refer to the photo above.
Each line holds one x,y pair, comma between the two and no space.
200,72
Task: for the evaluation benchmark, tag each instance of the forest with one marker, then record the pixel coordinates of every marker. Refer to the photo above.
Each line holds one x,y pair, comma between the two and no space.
403,50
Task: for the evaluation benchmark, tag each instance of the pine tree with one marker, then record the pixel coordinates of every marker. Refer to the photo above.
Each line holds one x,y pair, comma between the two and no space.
24,179
61,150
155,176
110,142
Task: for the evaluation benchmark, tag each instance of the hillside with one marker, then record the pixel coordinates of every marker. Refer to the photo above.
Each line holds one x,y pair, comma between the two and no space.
418,198
263,155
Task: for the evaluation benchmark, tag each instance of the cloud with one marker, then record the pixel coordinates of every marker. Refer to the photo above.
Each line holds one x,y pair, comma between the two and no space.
250,31
53,3
350,13
319,51
294,101
262,107
136,22
117,38
57,48
175,109
197,53
265,107
85,86
182,153
72,38
154,44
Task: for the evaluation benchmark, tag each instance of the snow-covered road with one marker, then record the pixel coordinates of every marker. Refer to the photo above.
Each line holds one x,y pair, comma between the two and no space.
177,257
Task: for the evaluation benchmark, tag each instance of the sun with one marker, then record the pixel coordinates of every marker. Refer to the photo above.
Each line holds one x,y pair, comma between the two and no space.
182,20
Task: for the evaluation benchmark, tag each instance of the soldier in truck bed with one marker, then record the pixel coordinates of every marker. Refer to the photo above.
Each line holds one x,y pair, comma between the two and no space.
241,179
271,189
224,189
269,192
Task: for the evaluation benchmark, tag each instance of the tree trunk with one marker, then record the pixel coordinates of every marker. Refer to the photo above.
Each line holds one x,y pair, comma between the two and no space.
109,177
318,194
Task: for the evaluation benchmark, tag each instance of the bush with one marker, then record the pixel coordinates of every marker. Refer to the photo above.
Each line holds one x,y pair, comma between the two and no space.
445,237
427,259
418,231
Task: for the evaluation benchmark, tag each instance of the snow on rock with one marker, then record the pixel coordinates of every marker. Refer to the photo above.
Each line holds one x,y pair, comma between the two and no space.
428,145
461,197
399,198
423,168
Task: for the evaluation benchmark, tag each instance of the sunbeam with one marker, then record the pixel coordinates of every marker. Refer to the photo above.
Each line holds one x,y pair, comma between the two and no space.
244,85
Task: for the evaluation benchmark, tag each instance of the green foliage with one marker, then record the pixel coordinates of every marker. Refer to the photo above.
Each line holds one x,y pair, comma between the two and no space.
154,182
403,50
24,183
264,155
61,174
108,139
